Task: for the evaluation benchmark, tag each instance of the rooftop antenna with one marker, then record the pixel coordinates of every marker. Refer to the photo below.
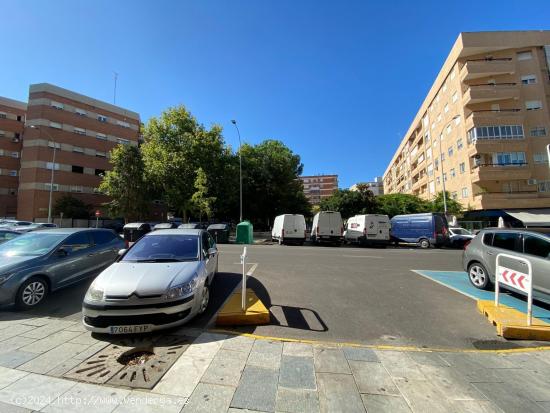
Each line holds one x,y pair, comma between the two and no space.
114,92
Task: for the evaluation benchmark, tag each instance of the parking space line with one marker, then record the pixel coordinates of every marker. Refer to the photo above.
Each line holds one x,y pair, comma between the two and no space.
381,346
419,272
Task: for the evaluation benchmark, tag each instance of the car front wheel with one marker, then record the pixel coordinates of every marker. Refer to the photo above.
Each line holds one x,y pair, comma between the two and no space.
205,299
479,277
31,293
424,243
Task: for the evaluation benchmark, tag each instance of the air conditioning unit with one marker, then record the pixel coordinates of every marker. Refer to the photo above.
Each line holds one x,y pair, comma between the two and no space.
531,182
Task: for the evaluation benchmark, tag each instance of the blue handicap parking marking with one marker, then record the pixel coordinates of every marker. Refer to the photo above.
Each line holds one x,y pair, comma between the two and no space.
458,281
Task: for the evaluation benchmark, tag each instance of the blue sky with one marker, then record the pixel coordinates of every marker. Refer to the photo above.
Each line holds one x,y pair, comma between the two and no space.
337,81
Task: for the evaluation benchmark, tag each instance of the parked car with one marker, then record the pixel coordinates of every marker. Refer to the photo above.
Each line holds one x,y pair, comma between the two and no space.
369,229
458,237
289,228
134,231
15,225
425,230
165,225
162,281
6,235
327,227
220,232
479,257
36,226
190,225
36,263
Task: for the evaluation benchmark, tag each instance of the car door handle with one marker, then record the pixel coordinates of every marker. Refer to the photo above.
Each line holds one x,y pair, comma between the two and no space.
91,254
490,253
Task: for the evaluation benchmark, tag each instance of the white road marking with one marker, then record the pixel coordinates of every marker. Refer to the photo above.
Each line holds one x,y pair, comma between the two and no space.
446,285
361,256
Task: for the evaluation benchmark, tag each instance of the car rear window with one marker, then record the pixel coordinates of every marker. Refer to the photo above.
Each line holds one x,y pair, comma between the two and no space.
506,241
536,246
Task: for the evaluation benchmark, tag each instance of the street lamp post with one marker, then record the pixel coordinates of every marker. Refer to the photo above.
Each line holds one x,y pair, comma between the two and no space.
52,174
548,152
234,122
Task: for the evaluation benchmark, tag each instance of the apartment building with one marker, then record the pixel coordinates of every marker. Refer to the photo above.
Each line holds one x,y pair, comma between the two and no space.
318,187
481,132
12,121
376,186
72,135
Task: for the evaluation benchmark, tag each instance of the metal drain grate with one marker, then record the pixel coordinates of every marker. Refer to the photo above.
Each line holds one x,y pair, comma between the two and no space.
120,363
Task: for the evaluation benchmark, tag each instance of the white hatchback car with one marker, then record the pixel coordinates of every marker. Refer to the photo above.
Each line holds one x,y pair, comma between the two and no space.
162,281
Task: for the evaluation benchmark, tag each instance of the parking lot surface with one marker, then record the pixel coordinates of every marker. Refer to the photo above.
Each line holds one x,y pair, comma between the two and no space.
365,295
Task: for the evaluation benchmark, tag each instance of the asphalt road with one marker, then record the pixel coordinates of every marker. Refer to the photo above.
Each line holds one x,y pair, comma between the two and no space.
364,295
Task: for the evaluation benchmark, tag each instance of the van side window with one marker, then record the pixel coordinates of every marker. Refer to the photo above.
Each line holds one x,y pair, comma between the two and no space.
506,241
488,238
536,246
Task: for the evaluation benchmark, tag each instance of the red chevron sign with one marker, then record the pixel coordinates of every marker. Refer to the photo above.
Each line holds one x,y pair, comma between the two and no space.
512,278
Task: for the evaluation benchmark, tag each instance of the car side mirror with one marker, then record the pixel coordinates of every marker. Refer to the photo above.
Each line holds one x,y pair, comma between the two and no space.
212,252
121,252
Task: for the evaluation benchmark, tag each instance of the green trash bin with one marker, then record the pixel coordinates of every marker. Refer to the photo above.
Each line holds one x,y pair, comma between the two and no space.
245,233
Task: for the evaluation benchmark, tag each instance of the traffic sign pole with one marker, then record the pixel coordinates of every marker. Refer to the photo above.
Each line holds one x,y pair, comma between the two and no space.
243,293
516,279
97,214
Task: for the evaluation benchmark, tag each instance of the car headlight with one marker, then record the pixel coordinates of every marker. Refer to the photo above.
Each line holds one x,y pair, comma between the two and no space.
6,277
94,293
182,289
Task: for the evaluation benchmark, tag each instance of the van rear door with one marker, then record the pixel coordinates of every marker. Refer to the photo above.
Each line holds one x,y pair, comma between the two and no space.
371,225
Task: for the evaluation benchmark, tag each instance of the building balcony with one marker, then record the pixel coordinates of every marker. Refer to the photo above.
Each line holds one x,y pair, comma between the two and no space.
479,146
490,93
500,172
522,199
494,117
478,68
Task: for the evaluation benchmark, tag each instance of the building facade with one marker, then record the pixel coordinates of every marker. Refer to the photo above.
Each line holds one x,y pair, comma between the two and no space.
318,187
376,186
72,135
482,131
12,121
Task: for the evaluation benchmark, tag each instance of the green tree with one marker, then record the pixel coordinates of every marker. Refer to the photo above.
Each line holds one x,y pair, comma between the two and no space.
350,203
175,147
270,182
71,207
453,206
126,184
200,199
396,204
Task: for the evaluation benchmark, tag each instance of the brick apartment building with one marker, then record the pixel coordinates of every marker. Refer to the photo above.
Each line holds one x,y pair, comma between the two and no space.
483,128
81,129
12,121
318,187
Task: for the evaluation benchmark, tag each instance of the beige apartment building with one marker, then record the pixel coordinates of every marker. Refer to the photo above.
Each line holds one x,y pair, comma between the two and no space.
72,135
318,187
483,128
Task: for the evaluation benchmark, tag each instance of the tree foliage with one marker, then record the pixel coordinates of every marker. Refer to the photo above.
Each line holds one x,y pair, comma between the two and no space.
126,184
453,206
200,199
350,203
397,204
71,207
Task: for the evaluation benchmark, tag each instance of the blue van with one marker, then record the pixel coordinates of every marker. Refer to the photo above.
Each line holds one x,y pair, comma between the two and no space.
429,229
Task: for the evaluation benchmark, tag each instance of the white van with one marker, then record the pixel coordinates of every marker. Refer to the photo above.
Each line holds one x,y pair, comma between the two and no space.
289,228
327,227
370,229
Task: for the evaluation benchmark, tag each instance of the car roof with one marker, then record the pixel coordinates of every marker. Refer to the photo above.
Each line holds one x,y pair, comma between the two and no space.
72,230
519,230
176,231
10,231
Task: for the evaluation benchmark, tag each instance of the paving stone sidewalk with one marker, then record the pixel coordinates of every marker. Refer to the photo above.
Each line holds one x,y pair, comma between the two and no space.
222,373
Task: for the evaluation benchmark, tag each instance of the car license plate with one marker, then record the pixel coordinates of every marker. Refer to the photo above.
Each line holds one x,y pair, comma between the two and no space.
142,328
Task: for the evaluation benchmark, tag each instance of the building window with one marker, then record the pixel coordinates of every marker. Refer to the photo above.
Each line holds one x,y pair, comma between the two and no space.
437,180
449,129
51,165
16,137
3,115
100,154
533,105
450,151
452,173
495,132
442,156
524,56
509,158
76,188
100,172
540,157
544,186
13,172
57,105
55,125
123,124
2,133
430,170
464,192
12,191
462,167
80,131
48,186
528,79
78,169
429,153
123,141
459,144
439,117
102,118
538,131
101,136
54,145
446,108
81,112
15,154
455,97
77,149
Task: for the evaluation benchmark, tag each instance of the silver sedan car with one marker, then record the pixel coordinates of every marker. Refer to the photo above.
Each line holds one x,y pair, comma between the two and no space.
162,281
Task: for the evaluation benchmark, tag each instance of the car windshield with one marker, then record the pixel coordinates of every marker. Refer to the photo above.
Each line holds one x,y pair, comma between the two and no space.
460,231
34,244
164,248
